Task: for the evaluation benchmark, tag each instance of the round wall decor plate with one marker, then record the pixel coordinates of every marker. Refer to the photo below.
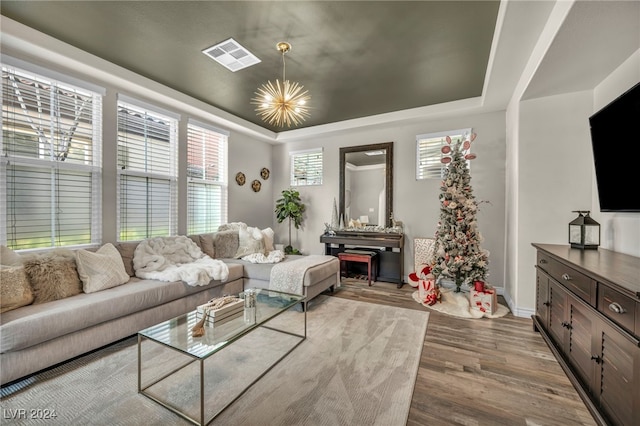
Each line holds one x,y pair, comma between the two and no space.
240,178
264,173
256,185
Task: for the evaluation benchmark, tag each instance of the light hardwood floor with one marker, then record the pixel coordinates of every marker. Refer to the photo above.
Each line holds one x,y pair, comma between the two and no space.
480,371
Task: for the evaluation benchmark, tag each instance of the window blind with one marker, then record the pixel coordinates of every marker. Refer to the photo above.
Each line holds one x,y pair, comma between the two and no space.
147,173
50,173
306,167
429,152
206,179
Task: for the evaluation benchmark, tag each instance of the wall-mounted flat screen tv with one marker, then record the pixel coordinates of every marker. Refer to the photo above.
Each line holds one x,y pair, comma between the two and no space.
615,138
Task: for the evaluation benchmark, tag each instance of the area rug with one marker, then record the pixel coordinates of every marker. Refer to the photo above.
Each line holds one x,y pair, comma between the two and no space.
457,305
358,366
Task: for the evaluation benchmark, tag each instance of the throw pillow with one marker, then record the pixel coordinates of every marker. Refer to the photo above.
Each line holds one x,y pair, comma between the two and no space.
127,250
233,226
102,269
15,290
206,244
9,257
53,275
268,236
250,242
226,244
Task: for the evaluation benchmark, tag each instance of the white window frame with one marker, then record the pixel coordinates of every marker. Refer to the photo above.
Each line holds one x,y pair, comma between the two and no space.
432,167
219,182
300,177
88,163
170,175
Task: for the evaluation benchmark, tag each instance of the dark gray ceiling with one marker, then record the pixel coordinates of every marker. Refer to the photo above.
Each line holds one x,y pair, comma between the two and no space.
356,58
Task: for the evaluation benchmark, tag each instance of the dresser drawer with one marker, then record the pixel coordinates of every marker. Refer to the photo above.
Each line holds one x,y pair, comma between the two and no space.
618,307
576,282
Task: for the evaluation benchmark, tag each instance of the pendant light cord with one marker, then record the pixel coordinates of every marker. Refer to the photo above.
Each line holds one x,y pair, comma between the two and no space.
284,67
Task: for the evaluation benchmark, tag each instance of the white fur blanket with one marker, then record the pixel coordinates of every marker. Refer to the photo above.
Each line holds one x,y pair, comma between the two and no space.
274,256
176,259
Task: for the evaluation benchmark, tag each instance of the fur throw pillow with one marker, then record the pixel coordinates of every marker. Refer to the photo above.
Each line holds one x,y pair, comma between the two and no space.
15,290
226,244
250,242
53,275
233,226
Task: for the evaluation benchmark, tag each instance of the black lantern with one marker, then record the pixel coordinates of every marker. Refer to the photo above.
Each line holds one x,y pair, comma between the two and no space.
584,232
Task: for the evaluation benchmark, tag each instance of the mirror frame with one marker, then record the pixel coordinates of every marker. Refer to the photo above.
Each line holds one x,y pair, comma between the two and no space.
388,146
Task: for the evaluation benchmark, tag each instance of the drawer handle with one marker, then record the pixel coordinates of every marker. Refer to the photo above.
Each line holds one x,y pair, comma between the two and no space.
596,358
543,261
615,307
566,325
566,277
547,304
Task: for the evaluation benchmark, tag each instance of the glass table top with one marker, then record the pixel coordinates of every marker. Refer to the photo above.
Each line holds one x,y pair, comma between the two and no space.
177,333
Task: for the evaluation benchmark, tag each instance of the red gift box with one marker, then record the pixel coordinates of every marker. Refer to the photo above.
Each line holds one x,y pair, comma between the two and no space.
485,301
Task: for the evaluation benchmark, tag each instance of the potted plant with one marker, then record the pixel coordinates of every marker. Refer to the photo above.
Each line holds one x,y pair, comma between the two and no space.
290,207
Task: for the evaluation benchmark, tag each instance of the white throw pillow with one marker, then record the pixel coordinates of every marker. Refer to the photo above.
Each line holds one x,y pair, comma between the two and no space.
268,236
102,269
251,241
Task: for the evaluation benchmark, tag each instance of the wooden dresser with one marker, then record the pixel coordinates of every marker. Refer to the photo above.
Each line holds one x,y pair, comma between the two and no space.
588,312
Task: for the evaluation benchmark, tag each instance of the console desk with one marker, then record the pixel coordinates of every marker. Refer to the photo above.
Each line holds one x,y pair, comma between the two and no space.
588,313
390,247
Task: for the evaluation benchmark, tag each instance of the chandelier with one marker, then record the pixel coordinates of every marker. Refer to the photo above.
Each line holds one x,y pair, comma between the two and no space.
283,103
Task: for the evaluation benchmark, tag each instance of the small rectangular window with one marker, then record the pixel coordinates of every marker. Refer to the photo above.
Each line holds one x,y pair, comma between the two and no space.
306,167
429,152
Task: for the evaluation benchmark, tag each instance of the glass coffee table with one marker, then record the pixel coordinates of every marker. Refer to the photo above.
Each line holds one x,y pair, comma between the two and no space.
199,377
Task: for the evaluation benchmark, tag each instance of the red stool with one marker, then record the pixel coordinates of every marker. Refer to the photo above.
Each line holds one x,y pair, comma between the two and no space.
362,256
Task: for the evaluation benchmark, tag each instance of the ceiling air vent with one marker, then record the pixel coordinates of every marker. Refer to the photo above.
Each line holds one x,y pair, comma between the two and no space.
231,55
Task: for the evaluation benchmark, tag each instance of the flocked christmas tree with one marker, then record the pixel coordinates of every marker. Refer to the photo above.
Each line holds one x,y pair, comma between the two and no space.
457,253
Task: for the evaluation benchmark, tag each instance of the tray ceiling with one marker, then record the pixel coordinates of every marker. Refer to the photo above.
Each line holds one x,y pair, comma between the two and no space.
356,58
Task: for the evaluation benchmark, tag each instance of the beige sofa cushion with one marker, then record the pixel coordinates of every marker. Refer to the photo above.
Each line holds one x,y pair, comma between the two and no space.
15,290
9,257
127,249
101,270
207,245
268,235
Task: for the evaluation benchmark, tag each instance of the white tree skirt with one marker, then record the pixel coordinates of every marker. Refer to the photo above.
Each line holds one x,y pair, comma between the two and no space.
457,305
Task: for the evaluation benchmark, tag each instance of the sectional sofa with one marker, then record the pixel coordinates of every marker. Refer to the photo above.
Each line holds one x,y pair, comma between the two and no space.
39,335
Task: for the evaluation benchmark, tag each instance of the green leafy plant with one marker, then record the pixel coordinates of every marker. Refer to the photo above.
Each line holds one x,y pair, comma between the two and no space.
290,206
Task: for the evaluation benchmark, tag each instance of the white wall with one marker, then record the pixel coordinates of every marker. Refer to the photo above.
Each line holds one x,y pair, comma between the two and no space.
249,156
620,231
415,202
554,177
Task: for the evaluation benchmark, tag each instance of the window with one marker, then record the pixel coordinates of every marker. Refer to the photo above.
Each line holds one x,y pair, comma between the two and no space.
147,172
50,172
429,152
206,178
306,167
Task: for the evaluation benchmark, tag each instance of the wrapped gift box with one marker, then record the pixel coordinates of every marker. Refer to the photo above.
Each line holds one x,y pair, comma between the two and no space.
484,301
